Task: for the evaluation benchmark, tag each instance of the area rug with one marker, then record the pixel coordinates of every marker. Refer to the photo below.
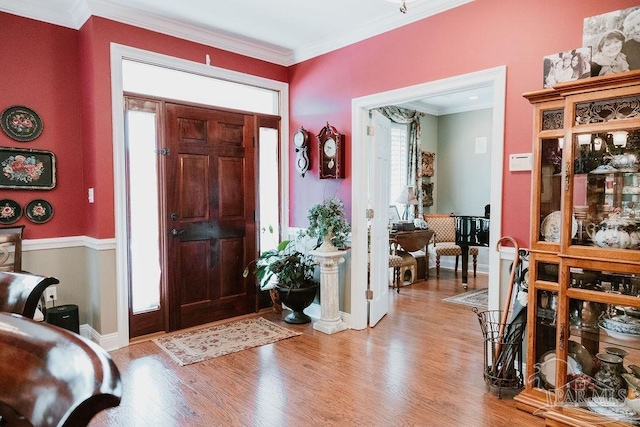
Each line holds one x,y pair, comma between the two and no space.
206,343
477,298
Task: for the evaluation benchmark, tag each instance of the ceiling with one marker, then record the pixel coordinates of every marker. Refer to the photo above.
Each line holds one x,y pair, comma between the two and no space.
283,32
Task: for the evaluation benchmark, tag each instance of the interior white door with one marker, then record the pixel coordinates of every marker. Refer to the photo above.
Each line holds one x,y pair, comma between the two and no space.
379,178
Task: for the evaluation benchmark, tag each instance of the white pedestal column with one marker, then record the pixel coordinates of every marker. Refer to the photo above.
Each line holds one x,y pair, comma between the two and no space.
330,321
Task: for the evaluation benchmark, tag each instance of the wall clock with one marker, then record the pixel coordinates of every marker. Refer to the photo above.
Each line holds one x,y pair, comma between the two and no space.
331,149
301,144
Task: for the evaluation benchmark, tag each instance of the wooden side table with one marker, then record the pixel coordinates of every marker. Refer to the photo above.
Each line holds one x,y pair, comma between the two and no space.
411,241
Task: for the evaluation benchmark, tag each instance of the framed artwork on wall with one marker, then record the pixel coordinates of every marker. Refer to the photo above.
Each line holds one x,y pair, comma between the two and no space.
427,194
426,164
21,123
27,169
614,38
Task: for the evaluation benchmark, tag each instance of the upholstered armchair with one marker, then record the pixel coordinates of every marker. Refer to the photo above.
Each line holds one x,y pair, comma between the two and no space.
444,237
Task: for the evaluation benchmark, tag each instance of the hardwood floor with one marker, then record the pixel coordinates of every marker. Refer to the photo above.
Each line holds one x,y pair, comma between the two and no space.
422,365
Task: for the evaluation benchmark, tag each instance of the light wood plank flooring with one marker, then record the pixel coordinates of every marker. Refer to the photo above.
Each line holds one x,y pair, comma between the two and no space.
422,365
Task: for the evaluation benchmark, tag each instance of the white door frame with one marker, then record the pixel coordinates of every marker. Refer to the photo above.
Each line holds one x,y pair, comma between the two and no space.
493,77
118,54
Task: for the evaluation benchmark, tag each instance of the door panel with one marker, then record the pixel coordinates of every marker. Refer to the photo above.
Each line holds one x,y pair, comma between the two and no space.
193,183
230,178
211,186
379,194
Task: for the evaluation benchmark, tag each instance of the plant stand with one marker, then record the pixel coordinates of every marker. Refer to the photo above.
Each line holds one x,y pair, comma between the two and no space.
330,321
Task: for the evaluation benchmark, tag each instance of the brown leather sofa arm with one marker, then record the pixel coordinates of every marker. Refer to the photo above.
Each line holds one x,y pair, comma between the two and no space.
52,377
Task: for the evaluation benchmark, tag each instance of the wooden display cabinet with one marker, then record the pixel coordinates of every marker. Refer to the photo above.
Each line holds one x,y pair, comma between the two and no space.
584,262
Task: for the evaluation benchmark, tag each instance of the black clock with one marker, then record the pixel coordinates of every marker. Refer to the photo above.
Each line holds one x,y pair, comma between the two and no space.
301,146
331,149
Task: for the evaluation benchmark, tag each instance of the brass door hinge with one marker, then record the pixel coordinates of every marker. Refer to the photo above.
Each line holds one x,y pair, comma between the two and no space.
369,294
370,213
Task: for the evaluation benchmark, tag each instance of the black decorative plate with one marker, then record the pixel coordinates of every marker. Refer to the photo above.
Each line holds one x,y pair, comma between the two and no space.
39,211
21,123
10,211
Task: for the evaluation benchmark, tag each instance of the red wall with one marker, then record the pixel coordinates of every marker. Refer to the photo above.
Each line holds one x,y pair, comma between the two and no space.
39,69
479,35
64,75
96,36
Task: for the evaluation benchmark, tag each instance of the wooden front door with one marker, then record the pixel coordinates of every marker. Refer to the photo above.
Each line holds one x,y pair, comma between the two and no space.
211,227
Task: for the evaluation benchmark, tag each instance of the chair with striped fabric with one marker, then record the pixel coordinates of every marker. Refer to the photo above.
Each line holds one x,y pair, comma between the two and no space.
444,241
401,262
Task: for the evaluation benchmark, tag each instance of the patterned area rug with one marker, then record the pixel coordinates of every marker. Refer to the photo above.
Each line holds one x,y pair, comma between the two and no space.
202,344
477,298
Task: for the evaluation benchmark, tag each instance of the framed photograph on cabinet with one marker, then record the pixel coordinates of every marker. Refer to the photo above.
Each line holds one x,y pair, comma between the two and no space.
27,169
566,66
614,38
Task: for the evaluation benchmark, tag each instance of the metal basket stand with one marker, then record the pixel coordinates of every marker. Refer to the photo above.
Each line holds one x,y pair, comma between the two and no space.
502,353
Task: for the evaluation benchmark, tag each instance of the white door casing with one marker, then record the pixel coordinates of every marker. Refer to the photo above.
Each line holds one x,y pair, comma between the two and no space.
379,178
492,77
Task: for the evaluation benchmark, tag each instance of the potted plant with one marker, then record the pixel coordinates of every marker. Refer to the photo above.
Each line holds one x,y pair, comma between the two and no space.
327,221
288,274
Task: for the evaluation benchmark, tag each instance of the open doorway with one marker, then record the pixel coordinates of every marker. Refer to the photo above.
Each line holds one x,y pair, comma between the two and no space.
494,78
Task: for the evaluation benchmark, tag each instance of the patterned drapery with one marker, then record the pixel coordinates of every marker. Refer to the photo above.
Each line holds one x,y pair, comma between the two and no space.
411,118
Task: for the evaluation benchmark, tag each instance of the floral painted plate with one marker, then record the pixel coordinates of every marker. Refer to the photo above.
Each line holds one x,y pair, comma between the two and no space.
550,227
21,123
10,211
39,211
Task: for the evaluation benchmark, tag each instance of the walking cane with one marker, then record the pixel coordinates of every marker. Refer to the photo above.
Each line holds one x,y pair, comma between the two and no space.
507,307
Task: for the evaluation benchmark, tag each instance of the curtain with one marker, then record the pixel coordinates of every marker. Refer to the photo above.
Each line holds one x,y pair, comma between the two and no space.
411,118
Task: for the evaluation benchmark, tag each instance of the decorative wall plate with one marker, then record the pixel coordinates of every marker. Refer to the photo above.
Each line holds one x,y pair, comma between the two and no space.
550,227
21,123
39,211
10,211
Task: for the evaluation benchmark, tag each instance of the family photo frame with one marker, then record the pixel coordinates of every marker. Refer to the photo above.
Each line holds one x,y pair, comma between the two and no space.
610,45
614,39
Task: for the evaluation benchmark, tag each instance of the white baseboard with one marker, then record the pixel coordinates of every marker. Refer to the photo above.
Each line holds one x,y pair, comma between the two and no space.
109,342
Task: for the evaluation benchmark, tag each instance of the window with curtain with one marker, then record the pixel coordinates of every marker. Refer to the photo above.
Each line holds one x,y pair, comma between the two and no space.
399,162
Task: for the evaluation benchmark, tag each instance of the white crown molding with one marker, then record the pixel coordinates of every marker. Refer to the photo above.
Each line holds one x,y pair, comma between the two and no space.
80,11
423,108
415,12
48,12
466,108
217,39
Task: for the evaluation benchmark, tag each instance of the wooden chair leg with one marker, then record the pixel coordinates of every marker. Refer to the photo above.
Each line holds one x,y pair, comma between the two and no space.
397,278
437,265
456,269
475,264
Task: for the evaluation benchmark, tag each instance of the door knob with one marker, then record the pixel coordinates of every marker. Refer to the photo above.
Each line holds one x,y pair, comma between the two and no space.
175,232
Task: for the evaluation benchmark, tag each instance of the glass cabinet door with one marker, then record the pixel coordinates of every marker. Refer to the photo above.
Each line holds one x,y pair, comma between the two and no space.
605,151
606,189
548,184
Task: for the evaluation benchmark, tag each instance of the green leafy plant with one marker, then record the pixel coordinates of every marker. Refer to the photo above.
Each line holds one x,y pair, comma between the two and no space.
284,266
329,217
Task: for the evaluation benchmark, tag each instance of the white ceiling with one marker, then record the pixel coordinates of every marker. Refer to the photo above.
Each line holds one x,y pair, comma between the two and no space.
283,32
